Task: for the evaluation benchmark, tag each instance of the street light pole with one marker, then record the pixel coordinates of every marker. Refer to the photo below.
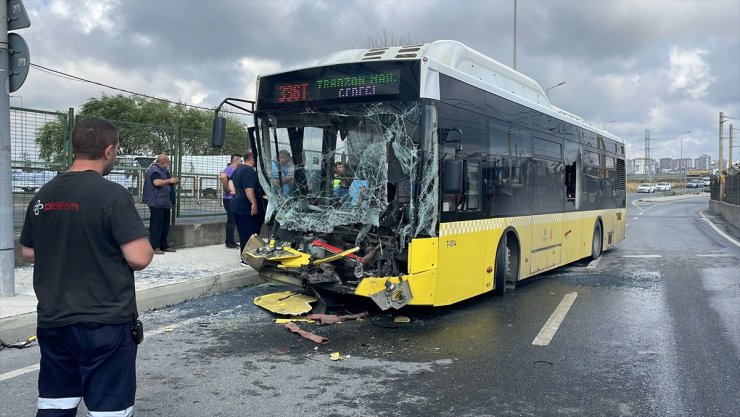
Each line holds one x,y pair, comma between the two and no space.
550,88
681,162
515,34
610,121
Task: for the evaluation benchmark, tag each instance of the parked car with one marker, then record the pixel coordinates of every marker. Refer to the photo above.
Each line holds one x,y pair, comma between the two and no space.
707,181
695,184
645,188
662,186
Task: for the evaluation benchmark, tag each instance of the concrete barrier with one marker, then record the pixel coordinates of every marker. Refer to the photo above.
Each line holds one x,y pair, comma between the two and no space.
729,212
185,235
20,326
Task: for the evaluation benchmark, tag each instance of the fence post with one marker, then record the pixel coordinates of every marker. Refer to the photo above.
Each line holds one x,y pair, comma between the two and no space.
178,151
68,151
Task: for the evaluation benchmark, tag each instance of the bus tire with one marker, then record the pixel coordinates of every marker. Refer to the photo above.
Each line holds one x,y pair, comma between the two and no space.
503,271
597,242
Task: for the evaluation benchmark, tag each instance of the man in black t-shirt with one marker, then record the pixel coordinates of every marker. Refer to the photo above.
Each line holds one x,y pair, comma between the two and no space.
86,239
247,204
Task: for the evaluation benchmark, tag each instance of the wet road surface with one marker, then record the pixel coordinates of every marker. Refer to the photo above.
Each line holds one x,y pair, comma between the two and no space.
654,330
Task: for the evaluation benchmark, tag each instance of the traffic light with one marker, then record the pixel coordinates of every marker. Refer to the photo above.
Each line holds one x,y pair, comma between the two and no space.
18,55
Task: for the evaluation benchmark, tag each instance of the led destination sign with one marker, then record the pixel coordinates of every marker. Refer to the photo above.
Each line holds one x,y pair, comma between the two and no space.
375,84
327,86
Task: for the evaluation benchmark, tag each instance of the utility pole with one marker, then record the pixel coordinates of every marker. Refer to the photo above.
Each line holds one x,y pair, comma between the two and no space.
14,62
515,34
648,164
720,165
729,156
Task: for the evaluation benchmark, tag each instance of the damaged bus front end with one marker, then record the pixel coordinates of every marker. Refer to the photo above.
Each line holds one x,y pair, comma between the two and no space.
350,179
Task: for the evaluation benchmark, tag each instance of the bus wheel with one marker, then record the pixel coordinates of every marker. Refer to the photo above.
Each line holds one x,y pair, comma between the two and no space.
596,242
503,266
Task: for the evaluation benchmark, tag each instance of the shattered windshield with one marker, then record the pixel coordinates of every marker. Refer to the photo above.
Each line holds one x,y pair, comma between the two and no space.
347,166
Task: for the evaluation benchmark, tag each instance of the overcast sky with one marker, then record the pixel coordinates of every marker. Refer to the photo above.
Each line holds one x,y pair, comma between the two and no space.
666,66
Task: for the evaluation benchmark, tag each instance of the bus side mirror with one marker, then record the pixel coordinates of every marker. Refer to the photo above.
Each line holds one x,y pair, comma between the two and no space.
452,174
218,133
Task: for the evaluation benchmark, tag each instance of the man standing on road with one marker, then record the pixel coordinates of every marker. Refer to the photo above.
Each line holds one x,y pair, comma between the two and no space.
247,204
85,237
158,189
229,193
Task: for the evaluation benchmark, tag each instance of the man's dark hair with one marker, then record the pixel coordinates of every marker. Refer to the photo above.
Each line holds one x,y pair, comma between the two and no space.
91,136
235,156
248,154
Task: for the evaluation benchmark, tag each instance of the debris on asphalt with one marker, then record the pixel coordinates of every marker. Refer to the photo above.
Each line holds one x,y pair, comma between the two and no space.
336,356
167,328
20,344
333,318
401,319
294,320
286,303
307,335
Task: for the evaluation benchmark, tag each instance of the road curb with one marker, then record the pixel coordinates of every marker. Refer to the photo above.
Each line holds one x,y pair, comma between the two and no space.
23,325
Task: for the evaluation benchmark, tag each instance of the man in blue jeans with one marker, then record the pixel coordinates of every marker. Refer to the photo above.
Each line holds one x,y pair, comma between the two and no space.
229,192
86,239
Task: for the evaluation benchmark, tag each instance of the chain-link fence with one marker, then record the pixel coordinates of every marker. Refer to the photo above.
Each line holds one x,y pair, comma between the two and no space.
29,170
41,148
731,186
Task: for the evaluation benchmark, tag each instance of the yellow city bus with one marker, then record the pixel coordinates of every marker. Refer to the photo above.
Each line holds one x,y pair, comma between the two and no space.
426,175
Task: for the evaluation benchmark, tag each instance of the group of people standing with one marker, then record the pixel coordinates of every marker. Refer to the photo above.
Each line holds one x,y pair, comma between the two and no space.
243,200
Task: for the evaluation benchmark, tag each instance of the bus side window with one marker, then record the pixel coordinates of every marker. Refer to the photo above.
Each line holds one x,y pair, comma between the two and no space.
472,186
453,184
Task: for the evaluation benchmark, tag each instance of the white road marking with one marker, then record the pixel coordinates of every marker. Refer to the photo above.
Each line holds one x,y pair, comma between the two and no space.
642,256
19,372
150,333
553,323
723,234
717,255
593,264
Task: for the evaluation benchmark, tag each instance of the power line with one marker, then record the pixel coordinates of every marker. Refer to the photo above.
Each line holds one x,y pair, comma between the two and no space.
76,78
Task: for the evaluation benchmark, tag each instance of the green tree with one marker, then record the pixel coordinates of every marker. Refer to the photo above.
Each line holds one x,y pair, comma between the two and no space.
148,127
51,138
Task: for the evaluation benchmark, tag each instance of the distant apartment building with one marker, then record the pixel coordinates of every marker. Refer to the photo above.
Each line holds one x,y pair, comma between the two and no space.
641,166
666,164
686,163
703,162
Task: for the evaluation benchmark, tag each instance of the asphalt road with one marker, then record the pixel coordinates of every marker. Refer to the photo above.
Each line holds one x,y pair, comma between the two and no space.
653,330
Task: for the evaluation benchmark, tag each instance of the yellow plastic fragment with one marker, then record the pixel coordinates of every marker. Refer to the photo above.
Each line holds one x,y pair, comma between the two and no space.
335,356
285,302
401,319
294,319
167,328
336,256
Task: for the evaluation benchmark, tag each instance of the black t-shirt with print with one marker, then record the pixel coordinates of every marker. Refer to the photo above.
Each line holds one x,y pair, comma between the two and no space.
76,225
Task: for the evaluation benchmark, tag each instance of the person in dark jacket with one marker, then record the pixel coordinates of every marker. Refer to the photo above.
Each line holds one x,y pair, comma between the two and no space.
158,193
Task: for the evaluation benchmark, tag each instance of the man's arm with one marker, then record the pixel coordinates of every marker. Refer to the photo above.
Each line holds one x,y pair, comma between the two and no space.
138,253
252,196
160,182
29,254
